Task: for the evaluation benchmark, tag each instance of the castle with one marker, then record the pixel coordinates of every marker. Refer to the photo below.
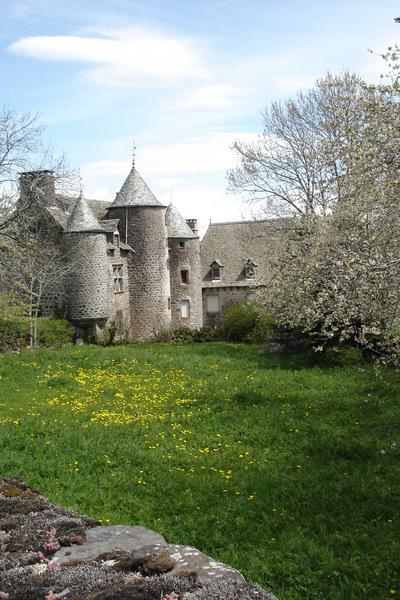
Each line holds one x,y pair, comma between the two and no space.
136,263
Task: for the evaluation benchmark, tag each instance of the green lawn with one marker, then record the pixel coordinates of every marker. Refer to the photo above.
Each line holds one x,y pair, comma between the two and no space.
282,467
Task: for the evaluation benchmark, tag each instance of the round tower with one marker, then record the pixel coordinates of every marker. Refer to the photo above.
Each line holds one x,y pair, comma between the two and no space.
87,279
142,226
185,270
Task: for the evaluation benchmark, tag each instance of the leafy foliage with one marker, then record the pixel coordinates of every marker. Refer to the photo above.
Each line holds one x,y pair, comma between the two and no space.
15,333
246,322
329,158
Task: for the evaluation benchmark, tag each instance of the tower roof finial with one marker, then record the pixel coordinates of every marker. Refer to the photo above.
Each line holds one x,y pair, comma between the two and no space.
133,154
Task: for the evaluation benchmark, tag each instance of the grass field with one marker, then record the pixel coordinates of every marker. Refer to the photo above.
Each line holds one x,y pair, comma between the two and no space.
287,469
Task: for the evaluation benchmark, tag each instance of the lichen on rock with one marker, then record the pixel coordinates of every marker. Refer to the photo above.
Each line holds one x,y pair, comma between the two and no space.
49,553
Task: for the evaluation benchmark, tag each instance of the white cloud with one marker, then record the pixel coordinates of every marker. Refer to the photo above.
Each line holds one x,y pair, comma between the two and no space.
209,153
121,58
205,203
191,171
217,95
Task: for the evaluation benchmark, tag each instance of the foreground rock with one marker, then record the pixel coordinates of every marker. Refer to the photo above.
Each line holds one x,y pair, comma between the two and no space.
49,553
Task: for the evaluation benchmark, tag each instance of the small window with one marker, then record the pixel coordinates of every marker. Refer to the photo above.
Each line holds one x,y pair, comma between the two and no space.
250,269
182,245
216,272
185,309
169,303
184,276
212,304
118,280
116,238
250,272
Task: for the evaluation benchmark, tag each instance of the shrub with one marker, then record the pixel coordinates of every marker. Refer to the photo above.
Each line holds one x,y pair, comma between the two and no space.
54,332
182,334
14,333
206,334
245,322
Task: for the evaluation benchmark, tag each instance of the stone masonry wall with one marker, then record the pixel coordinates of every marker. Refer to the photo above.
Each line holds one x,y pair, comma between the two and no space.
227,297
187,258
148,274
87,282
53,298
119,300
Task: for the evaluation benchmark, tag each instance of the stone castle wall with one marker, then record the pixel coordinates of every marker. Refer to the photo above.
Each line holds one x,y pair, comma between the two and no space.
187,258
87,284
227,297
54,298
149,286
119,300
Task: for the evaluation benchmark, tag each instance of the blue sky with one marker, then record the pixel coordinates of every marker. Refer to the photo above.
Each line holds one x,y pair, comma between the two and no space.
182,78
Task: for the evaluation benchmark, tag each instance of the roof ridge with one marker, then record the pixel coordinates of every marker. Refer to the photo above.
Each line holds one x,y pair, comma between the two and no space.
250,221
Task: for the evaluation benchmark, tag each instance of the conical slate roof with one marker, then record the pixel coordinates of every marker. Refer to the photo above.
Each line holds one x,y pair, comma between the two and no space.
135,192
82,218
176,224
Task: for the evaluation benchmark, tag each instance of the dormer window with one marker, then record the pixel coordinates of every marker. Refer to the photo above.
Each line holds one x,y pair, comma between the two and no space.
216,270
216,273
250,269
116,238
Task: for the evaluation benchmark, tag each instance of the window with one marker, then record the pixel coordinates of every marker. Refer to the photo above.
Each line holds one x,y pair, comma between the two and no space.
216,272
184,276
250,272
116,238
212,304
117,276
169,303
250,269
185,309
216,269
182,245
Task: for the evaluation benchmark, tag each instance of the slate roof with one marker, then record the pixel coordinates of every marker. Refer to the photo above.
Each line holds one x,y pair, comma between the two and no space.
82,218
135,192
109,225
63,206
176,224
233,244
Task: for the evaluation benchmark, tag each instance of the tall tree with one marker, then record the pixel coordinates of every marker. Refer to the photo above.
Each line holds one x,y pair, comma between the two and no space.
331,157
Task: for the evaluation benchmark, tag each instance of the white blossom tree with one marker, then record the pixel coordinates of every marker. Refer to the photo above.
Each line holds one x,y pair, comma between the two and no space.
331,157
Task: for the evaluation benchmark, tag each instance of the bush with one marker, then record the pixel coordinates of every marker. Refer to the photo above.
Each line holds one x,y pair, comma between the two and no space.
206,334
54,332
246,322
14,333
182,334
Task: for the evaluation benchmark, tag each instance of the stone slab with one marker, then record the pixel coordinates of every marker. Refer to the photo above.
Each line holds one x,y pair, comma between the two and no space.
110,538
188,560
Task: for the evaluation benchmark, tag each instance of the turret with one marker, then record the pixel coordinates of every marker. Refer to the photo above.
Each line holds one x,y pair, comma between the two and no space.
142,226
185,270
87,278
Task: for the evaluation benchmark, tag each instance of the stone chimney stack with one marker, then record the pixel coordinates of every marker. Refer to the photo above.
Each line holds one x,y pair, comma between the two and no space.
37,187
193,226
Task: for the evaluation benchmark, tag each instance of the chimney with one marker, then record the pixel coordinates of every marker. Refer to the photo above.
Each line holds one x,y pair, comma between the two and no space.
193,225
37,187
